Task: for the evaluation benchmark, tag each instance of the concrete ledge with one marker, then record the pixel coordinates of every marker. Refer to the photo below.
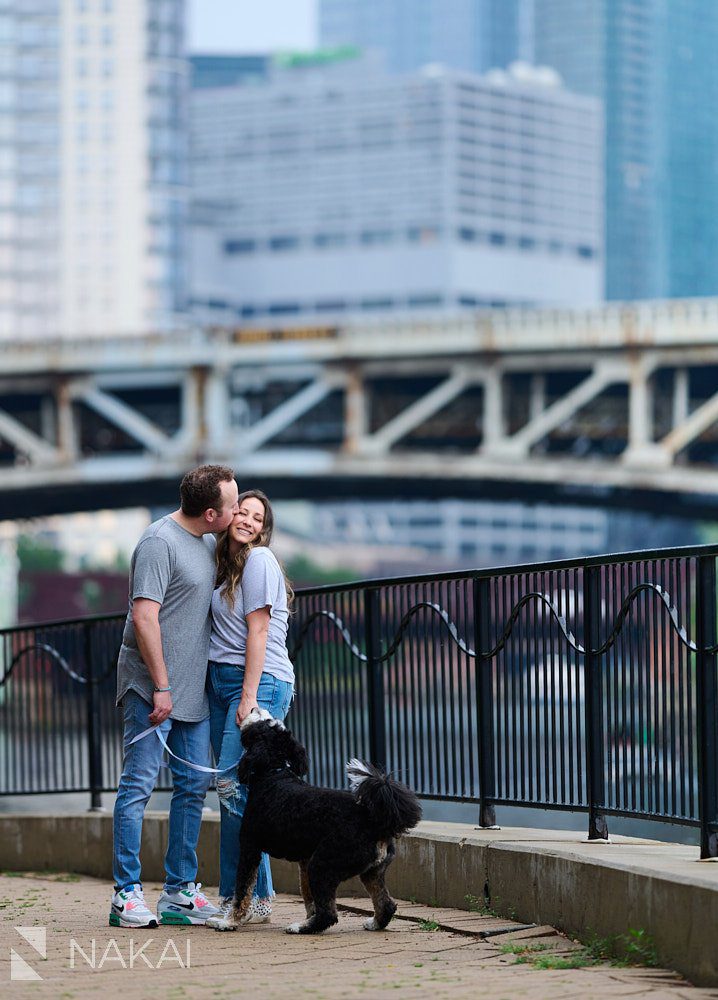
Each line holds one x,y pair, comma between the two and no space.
540,876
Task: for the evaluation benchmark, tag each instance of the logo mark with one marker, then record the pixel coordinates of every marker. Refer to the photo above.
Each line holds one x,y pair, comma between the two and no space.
20,970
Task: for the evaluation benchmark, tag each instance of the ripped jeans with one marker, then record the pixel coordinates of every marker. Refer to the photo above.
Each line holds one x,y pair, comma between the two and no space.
224,687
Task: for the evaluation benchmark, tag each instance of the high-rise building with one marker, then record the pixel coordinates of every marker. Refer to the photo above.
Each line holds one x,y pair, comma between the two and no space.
93,184
228,70
654,67
336,188
475,35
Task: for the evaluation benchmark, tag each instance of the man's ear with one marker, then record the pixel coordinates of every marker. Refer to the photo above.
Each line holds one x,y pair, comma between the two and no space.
295,754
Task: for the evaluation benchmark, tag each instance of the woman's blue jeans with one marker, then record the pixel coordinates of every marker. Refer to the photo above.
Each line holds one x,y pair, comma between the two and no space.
224,686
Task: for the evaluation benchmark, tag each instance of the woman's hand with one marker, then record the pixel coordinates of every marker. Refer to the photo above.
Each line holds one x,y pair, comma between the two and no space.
246,704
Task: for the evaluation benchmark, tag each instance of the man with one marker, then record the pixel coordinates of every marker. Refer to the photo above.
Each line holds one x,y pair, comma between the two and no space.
161,673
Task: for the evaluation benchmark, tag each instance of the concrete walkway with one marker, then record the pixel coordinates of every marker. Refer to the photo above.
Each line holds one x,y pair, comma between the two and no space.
466,955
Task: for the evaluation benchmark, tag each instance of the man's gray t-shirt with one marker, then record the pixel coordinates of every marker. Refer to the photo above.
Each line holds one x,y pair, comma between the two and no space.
262,584
175,568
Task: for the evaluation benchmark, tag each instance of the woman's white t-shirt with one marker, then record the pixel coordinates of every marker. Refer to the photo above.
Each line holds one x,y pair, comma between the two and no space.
262,585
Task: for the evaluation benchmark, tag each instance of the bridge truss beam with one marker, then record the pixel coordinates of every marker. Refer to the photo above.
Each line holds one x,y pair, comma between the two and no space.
449,413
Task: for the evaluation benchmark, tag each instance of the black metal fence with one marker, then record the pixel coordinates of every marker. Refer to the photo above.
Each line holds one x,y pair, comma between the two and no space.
582,685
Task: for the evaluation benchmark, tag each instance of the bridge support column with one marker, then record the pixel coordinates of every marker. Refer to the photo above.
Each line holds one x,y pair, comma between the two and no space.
681,397
642,450
356,412
216,412
191,437
494,430
66,430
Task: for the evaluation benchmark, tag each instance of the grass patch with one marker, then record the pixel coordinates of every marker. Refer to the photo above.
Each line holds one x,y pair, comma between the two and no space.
52,876
475,904
579,960
520,948
428,925
636,947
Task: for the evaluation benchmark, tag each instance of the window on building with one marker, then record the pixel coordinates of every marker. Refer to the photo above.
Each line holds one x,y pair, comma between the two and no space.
336,305
369,304
278,243
233,247
373,236
425,301
422,234
283,308
330,239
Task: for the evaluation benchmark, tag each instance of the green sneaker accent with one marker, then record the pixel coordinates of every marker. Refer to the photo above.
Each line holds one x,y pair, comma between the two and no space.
114,920
174,918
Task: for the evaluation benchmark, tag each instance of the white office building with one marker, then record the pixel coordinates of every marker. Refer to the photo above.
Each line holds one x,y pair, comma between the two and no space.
334,188
93,188
463,532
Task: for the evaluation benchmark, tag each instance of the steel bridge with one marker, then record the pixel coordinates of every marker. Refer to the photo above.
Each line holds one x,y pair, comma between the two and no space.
602,404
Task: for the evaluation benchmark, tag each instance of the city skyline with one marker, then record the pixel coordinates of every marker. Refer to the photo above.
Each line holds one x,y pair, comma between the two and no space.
334,188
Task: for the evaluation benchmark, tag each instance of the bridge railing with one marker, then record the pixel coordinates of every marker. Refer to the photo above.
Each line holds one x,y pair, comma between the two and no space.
586,685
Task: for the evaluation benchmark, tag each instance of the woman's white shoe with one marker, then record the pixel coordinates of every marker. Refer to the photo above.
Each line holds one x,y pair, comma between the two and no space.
259,912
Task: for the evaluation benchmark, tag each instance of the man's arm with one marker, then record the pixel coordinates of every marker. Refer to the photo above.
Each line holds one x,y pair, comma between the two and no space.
145,618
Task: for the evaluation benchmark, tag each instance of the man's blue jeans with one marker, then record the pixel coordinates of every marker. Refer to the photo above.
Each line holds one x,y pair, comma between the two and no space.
140,767
224,686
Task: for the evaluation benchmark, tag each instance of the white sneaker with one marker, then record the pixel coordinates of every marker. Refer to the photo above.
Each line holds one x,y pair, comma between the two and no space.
226,904
128,908
185,906
259,912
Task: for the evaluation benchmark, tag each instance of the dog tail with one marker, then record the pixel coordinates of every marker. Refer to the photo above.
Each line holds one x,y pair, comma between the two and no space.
392,807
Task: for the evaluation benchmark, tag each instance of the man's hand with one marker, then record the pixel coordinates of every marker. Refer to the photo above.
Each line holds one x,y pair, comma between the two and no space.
162,701
246,704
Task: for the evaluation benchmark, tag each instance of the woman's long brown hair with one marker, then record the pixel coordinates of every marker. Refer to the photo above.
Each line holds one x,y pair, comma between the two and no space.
231,567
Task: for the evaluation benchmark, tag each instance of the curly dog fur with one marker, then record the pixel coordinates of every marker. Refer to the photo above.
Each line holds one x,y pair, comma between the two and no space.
333,835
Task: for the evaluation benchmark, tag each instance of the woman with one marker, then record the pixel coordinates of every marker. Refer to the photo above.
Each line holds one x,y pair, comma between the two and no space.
248,667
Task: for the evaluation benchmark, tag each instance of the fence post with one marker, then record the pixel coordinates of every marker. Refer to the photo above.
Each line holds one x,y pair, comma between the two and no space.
375,678
593,696
485,707
94,734
707,705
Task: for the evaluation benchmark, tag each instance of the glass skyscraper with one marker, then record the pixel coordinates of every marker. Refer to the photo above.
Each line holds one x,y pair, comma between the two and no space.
463,34
653,64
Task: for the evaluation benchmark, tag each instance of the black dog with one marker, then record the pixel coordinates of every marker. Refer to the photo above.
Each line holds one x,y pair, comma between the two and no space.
334,835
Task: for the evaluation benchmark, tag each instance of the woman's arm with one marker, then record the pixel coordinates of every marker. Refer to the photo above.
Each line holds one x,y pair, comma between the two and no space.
257,628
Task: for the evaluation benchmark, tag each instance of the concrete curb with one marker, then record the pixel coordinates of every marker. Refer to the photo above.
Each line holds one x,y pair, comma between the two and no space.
534,876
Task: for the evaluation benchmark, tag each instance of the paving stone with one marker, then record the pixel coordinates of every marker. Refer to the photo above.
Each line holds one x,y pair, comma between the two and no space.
262,960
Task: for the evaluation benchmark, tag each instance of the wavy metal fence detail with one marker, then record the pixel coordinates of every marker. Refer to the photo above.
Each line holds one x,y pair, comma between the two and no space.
584,685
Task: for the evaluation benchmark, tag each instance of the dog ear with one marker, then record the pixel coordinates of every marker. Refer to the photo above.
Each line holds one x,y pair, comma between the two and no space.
296,755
